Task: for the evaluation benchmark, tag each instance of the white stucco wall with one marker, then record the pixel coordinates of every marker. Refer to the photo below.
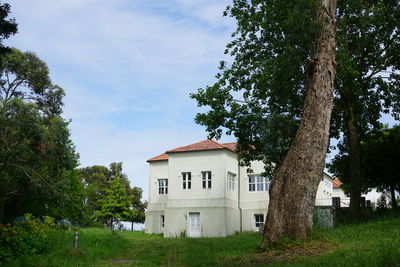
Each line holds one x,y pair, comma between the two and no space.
372,196
218,206
324,191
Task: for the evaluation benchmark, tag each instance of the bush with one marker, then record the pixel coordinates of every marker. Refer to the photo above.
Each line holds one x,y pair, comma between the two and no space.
29,236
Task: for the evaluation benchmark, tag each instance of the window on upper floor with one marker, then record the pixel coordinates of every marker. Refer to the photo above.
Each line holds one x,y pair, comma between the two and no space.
230,181
258,220
206,180
186,180
258,183
162,186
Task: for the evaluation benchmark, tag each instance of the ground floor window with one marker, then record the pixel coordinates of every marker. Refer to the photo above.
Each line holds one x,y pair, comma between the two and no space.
258,220
162,222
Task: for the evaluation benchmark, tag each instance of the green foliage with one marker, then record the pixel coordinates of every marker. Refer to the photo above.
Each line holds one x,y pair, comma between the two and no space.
382,202
38,157
116,204
259,96
38,160
380,154
8,26
26,77
103,193
27,237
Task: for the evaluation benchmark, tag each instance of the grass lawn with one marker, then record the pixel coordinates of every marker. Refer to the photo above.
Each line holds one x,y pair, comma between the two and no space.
376,243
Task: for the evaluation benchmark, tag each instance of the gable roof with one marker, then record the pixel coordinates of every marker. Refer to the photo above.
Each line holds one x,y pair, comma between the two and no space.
158,158
336,183
199,146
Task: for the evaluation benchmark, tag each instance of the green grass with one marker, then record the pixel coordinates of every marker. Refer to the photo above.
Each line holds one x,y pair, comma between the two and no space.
376,243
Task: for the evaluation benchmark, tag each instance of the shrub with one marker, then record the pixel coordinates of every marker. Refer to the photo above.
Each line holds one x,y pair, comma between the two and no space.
29,236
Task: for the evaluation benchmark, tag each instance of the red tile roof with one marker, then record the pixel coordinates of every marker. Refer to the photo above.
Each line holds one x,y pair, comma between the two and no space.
336,183
158,158
231,146
199,146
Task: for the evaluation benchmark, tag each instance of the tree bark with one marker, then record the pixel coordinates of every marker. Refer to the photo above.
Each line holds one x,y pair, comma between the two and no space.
393,197
294,186
354,163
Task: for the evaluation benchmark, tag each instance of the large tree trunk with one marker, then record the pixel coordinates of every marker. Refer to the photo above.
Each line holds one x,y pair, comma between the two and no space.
354,162
294,186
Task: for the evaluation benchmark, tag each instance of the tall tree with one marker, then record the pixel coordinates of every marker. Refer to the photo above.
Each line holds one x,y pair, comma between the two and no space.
37,155
115,205
37,161
8,26
367,83
295,183
281,49
98,182
26,77
259,97
379,157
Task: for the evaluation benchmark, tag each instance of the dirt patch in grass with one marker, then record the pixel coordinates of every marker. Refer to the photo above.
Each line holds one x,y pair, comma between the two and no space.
288,254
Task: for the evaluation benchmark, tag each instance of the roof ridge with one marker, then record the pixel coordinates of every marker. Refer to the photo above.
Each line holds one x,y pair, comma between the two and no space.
218,143
187,145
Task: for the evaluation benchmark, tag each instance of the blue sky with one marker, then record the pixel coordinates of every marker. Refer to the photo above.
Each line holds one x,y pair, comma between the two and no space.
128,68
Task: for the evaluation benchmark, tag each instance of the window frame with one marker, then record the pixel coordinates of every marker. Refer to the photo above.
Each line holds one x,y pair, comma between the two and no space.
186,180
258,183
230,181
257,222
162,186
162,222
206,181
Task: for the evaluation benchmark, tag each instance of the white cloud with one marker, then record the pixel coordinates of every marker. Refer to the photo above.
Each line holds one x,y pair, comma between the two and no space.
128,67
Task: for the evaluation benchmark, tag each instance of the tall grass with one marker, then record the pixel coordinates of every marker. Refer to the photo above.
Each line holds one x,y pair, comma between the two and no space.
375,243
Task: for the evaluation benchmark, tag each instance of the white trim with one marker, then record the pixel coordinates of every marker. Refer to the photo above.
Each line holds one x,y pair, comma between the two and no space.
188,224
186,181
254,219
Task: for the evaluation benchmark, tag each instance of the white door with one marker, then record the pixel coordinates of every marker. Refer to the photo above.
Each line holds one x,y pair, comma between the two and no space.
194,224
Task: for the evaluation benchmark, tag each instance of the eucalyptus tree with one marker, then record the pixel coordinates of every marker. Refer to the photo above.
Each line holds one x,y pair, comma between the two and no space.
8,26
37,154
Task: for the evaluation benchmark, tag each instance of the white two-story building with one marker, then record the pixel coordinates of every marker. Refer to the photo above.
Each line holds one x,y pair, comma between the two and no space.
200,190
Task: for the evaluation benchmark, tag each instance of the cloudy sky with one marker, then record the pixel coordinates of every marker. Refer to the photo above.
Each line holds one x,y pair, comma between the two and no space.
128,67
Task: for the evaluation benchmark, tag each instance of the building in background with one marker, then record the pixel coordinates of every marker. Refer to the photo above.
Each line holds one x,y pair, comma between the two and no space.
200,190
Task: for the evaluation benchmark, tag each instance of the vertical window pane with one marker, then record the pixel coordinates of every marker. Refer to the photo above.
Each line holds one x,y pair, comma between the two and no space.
162,186
251,179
